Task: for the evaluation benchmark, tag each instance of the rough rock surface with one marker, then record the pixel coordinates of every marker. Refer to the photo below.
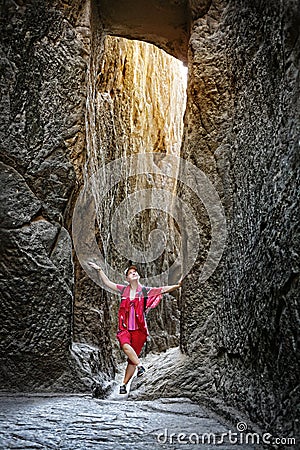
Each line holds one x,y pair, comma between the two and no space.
76,422
165,24
43,81
50,69
242,129
259,315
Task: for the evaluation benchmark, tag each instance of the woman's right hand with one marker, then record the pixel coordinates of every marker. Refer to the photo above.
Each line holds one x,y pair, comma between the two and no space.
95,266
106,281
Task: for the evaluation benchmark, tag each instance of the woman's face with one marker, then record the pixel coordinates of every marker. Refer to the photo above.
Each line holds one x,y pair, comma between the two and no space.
132,275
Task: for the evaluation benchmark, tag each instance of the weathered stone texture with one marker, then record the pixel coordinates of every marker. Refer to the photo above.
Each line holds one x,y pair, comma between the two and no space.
260,314
163,23
51,72
78,421
42,129
145,88
207,120
93,317
242,124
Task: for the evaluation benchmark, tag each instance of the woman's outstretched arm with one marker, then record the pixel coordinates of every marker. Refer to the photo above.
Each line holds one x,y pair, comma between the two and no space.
173,287
103,277
154,294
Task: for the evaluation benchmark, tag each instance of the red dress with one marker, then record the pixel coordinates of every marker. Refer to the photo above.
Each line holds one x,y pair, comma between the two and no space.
132,326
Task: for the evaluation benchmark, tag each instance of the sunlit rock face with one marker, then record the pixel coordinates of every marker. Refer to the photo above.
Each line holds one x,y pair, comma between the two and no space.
146,90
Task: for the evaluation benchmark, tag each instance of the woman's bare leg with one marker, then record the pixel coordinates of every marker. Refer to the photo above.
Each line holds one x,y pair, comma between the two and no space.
130,369
128,350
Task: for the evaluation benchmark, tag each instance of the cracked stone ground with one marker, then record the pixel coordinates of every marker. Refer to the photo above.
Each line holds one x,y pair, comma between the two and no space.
83,422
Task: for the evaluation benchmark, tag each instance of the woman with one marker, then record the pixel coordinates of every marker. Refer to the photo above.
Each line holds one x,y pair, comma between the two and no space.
132,328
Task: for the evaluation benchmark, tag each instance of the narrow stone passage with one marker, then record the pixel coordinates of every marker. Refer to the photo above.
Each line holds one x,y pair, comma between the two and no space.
79,104
81,422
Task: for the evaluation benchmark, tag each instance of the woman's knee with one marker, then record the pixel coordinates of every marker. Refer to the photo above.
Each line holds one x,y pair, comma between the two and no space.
126,347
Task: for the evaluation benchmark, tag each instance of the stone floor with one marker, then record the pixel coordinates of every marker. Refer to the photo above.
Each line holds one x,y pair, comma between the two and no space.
83,422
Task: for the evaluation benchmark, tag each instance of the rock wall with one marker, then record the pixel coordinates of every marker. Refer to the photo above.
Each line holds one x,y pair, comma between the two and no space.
263,231
242,127
146,90
164,24
44,84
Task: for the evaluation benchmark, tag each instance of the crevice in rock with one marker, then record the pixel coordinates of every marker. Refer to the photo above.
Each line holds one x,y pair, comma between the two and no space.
127,121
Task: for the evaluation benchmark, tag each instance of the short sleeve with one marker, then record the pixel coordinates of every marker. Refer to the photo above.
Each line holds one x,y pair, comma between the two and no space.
153,291
154,297
121,287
